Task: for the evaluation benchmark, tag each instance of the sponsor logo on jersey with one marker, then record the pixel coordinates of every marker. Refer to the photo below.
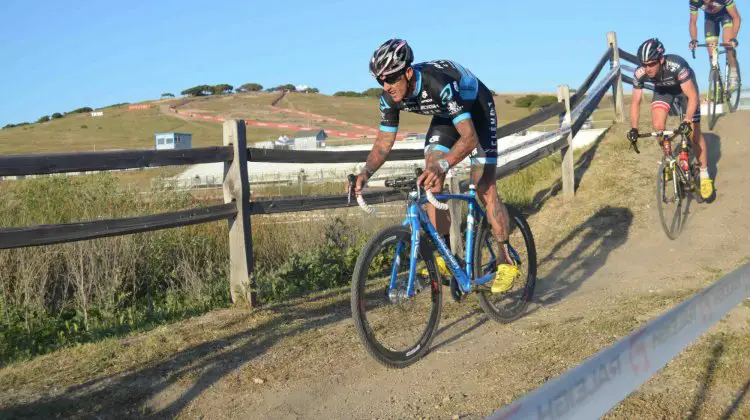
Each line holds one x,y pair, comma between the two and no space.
383,103
683,75
446,94
434,139
453,107
424,94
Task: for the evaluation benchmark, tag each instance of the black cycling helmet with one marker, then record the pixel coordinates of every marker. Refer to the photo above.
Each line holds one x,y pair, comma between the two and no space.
651,49
393,56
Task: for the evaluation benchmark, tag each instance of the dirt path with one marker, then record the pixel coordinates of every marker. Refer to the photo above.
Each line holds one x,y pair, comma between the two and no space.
605,268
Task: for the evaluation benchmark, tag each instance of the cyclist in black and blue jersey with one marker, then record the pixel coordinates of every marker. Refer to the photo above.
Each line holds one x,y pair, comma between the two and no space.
719,14
464,123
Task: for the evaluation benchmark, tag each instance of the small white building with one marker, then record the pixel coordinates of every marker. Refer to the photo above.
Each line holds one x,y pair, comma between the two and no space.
173,140
310,139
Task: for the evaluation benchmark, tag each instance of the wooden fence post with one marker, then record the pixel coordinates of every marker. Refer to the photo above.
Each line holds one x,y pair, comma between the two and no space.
237,189
455,209
568,170
617,85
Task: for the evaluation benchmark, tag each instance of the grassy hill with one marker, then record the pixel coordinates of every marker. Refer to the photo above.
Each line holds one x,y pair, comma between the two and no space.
121,128
118,128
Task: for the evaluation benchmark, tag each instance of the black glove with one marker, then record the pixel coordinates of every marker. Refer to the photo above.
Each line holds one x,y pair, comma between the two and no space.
633,135
693,44
685,128
734,42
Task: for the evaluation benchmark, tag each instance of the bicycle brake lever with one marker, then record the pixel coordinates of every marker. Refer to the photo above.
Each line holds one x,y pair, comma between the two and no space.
634,146
352,184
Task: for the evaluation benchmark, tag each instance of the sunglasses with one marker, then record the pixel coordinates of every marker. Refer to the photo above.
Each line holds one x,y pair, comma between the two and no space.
391,78
651,64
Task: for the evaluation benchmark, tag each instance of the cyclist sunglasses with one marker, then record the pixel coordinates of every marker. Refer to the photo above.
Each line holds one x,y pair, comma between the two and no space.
391,78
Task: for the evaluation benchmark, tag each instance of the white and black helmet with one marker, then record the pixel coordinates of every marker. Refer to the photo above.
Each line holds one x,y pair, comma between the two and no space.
651,49
393,56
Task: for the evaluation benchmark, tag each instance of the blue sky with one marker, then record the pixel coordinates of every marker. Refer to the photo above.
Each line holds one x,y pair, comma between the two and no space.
61,55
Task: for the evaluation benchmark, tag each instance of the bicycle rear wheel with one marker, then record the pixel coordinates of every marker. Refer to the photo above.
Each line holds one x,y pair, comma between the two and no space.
669,200
733,95
395,330
507,306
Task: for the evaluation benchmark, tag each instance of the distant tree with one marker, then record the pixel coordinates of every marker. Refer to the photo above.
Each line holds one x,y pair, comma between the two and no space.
80,110
374,92
348,93
115,105
15,125
57,115
200,90
249,87
43,119
525,101
312,90
288,86
543,101
222,89
167,95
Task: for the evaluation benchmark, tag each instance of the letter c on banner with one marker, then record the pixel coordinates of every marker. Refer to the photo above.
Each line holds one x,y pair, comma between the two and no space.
638,354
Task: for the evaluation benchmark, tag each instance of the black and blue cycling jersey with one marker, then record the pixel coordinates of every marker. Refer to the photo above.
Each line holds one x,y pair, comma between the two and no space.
450,93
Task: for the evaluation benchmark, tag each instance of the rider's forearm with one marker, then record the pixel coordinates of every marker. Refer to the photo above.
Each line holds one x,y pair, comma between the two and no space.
634,114
693,30
736,26
462,148
379,153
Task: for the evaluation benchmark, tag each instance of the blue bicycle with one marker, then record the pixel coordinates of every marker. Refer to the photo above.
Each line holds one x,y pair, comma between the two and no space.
396,288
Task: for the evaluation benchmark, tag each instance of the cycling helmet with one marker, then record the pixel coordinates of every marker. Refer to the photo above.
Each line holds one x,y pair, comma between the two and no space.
652,49
393,56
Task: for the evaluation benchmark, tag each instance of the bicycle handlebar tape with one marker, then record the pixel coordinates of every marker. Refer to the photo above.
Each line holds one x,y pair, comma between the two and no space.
366,207
438,205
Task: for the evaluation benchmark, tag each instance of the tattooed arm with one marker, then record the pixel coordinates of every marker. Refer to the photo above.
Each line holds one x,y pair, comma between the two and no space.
379,153
465,144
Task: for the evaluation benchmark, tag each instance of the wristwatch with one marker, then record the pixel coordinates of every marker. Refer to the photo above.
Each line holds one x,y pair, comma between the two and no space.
444,165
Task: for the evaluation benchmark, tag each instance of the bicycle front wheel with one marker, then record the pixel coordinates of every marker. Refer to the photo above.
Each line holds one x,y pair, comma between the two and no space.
507,306
715,98
669,200
396,330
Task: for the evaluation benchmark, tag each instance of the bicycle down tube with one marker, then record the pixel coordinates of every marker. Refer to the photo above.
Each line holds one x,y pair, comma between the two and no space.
419,220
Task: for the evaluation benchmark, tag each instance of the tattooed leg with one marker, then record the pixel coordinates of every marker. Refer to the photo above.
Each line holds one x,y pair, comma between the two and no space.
439,218
483,176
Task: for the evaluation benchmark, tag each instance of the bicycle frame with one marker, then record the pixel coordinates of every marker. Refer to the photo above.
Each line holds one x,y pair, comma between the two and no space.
418,219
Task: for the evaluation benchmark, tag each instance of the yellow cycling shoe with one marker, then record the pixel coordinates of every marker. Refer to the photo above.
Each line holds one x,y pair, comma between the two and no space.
506,274
442,268
707,188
